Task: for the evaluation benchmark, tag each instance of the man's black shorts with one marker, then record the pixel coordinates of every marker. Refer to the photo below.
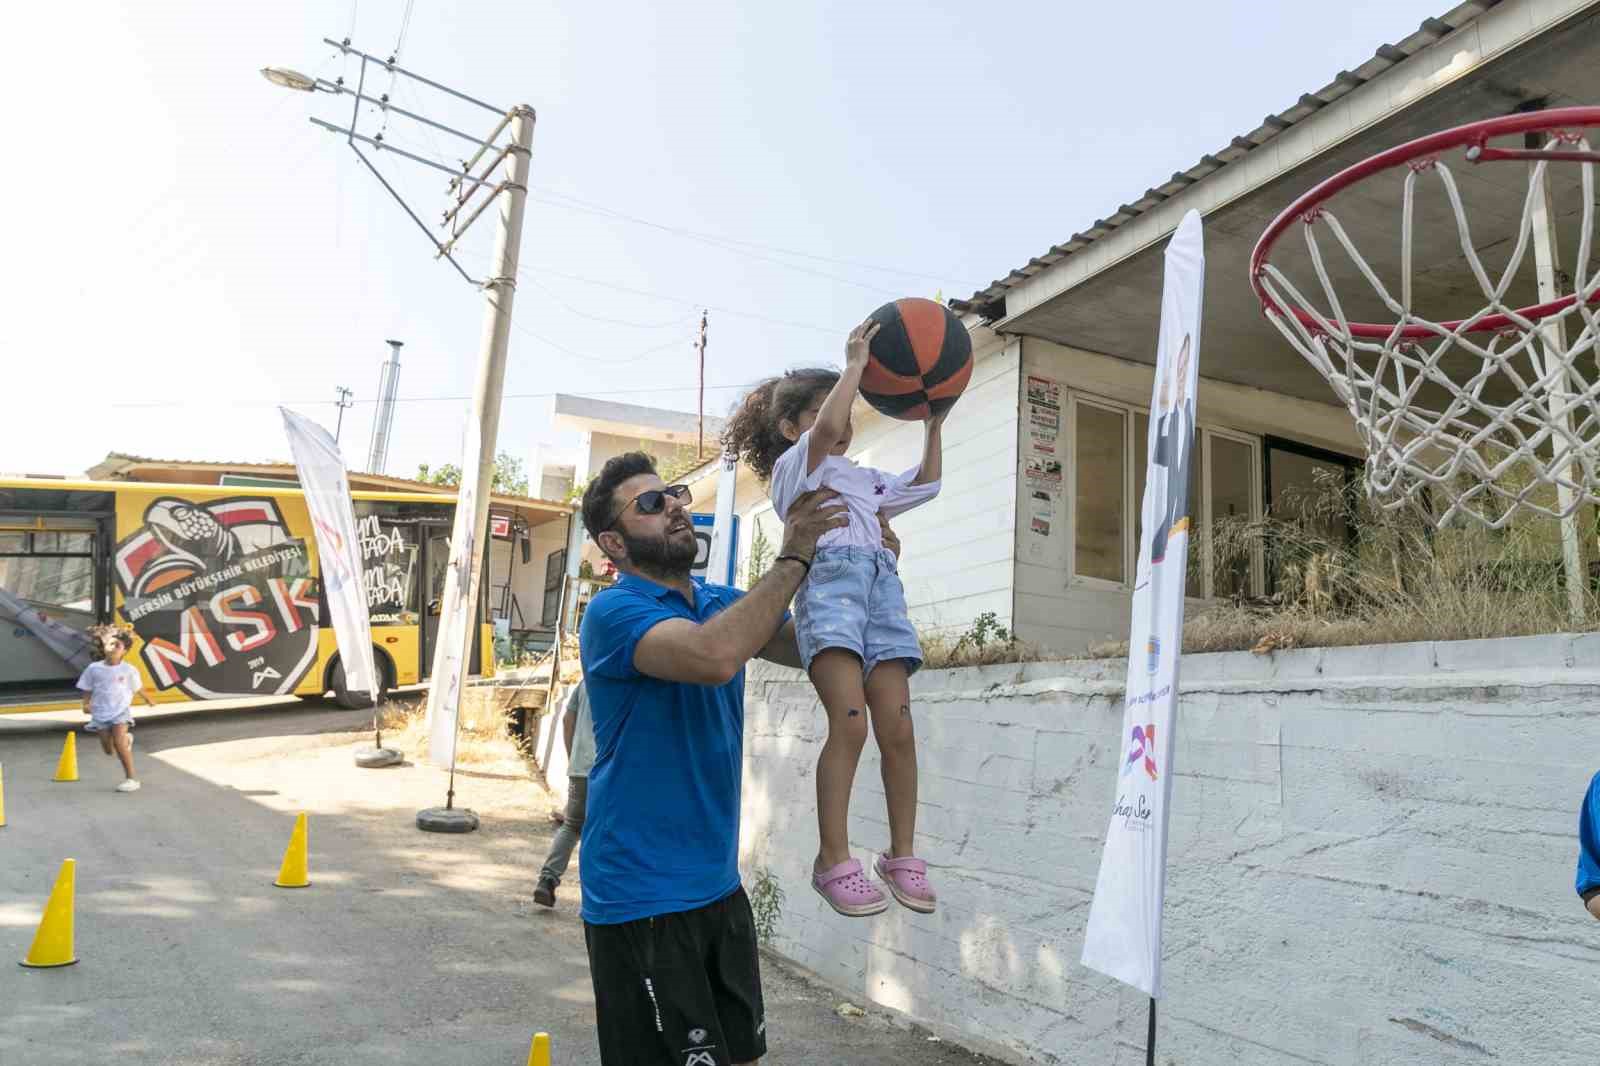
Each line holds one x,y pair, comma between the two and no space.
679,989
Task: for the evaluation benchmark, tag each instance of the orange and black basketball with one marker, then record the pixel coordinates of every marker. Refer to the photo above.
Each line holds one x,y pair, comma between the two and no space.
919,360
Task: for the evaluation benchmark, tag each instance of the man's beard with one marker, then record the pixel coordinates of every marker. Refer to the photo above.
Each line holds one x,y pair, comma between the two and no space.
661,555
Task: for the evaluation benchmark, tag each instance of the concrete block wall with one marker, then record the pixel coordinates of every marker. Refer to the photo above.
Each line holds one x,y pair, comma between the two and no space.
1371,857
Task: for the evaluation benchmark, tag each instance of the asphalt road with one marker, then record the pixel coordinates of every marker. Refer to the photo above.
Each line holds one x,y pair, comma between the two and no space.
408,949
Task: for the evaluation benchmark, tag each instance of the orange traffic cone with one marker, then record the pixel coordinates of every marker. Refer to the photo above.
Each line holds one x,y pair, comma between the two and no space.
52,944
292,874
539,1053
2,796
67,768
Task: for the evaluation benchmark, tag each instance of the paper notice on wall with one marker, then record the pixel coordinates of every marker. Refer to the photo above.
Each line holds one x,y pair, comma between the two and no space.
1043,508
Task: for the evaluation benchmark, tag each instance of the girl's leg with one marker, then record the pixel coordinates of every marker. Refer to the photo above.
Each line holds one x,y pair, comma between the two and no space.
888,692
836,675
105,741
124,746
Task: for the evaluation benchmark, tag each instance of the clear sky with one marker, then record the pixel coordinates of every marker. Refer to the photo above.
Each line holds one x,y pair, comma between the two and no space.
185,251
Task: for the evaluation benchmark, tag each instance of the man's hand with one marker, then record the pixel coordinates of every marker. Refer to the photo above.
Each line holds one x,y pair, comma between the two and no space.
1594,905
890,540
810,516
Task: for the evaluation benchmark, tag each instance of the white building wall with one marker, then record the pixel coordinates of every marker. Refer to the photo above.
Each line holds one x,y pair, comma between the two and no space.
527,579
1371,857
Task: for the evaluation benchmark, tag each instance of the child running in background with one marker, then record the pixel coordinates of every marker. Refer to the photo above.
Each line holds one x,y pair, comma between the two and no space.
855,638
108,688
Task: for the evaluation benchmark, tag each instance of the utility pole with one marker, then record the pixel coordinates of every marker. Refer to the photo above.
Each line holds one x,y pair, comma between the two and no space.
458,608
700,442
465,574
341,403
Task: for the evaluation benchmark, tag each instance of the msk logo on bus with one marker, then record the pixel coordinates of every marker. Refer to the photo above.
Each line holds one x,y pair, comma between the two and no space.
221,595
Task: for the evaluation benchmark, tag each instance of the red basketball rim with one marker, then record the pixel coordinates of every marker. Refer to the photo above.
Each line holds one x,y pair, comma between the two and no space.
1472,135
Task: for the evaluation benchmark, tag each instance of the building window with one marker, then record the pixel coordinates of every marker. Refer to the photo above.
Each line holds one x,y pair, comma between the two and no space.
1302,483
1100,459
1111,454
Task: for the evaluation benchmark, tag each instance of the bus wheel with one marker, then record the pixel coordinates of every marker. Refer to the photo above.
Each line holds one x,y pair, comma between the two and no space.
355,701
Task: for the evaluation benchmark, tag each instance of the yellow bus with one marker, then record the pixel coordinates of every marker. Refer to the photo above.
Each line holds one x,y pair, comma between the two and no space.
219,584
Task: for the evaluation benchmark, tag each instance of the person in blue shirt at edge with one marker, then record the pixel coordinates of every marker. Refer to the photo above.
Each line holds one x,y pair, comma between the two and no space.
670,935
1589,848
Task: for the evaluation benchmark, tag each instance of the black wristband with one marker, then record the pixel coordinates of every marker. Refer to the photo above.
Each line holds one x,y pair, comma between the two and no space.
795,558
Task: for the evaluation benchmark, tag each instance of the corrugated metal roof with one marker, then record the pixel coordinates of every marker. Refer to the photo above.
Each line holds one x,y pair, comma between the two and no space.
1386,56
108,468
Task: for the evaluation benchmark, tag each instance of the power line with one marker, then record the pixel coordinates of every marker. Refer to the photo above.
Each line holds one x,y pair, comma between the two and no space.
432,399
832,331
717,243
548,291
718,239
405,24
604,361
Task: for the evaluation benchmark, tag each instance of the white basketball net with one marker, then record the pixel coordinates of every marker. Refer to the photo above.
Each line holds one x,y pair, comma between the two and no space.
1464,455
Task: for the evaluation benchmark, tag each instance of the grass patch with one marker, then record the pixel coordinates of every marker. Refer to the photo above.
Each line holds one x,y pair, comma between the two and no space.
483,743
985,643
1349,573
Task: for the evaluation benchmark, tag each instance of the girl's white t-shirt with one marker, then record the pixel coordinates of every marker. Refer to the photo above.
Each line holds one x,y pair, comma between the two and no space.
110,689
864,491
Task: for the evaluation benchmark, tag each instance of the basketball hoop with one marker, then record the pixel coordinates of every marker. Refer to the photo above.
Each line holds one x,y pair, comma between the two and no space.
1484,414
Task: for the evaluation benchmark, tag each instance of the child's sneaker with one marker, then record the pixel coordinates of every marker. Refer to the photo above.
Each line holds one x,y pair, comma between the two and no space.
907,879
130,785
848,891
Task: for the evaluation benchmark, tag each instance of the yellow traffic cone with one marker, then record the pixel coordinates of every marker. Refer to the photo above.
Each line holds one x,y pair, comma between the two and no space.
67,768
52,944
2,796
292,874
539,1053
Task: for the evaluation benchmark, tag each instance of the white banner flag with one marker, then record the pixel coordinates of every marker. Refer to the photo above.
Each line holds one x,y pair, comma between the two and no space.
322,475
1123,939
456,613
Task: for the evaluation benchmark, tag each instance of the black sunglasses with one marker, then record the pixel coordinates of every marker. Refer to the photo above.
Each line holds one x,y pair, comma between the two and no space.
652,502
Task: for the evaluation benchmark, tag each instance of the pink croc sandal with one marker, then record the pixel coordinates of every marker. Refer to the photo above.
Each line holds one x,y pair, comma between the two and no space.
907,878
848,891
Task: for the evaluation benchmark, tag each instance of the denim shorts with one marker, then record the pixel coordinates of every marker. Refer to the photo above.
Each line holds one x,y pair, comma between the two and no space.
853,599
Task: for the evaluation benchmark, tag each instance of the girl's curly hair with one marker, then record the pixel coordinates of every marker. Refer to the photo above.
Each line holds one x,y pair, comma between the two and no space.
753,434
101,633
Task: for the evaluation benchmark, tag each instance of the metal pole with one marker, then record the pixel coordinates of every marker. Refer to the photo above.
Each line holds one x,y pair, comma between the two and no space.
1547,263
700,442
501,287
383,421
342,403
1150,1037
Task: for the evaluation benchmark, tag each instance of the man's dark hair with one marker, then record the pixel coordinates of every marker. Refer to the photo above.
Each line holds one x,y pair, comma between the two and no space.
599,509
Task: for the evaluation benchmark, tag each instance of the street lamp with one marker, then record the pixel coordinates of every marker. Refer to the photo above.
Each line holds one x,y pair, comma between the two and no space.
285,78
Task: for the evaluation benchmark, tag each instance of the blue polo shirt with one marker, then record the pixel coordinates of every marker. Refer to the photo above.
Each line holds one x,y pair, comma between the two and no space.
661,833
1589,840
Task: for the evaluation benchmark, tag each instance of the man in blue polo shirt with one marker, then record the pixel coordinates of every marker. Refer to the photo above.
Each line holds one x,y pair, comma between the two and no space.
1589,848
672,945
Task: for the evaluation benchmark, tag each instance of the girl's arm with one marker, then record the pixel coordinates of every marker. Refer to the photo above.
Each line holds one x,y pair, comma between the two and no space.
932,451
833,419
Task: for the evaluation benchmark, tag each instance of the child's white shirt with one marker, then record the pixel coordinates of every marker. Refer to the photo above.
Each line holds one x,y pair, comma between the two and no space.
110,688
863,490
